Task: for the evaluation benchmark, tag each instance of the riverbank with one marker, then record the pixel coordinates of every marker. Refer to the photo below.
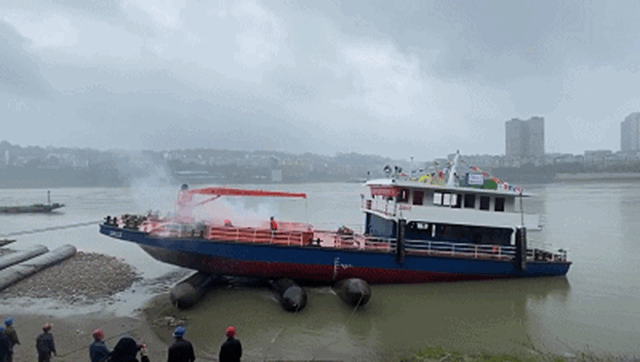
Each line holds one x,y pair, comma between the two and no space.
77,296
72,334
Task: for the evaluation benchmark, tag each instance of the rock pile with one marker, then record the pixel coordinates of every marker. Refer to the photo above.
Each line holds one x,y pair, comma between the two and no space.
4,251
84,277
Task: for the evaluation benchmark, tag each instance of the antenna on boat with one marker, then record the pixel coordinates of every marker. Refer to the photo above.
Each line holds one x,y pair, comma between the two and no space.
452,170
412,167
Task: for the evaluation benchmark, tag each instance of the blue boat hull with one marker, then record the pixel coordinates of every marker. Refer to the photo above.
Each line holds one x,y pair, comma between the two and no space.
320,264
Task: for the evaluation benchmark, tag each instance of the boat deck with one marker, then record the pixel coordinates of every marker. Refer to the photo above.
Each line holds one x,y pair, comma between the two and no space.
303,235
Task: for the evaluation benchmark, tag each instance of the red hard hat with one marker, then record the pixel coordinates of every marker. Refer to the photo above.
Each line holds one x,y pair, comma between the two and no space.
231,331
46,327
98,335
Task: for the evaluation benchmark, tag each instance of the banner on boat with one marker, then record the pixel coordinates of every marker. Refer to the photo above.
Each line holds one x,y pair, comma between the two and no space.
388,191
475,179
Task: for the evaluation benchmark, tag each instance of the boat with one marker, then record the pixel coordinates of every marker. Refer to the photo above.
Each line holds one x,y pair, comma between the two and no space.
438,227
5,242
34,208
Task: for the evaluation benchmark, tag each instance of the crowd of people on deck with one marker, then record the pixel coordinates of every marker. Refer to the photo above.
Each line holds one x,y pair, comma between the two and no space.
126,349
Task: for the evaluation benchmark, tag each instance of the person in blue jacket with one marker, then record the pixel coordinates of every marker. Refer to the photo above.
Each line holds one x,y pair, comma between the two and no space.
5,346
98,349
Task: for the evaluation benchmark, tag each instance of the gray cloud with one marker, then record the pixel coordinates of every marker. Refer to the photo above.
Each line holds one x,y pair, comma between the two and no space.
393,78
19,71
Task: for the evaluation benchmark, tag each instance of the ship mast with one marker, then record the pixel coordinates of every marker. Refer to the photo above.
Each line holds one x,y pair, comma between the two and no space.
452,171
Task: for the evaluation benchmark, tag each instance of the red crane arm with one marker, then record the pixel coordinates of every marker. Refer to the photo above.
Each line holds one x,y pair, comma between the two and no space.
223,191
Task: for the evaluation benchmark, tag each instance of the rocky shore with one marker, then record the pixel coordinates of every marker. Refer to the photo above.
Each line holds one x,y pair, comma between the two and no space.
86,277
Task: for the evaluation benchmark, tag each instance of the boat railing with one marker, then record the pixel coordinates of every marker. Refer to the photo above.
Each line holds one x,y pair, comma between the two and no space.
372,205
476,251
261,236
443,248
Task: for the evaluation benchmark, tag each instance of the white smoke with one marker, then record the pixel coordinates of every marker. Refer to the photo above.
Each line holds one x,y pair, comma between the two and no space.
238,211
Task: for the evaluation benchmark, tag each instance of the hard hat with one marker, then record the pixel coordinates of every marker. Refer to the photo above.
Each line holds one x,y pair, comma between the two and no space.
46,327
179,332
8,321
98,335
231,331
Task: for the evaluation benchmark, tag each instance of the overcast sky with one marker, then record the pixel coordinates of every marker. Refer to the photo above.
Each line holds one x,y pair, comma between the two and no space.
393,78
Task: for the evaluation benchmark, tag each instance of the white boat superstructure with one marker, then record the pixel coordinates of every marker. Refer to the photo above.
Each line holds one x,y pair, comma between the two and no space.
446,207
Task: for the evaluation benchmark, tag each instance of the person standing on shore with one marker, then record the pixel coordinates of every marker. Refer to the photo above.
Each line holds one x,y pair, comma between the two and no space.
5,345
126,350
12,335
98,349
181,350
45,344
231,350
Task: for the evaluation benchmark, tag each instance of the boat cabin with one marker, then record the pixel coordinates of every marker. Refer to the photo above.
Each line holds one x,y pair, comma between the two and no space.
449,213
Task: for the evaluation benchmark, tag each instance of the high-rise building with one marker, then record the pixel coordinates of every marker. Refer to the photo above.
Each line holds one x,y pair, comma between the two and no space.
525,138
630,133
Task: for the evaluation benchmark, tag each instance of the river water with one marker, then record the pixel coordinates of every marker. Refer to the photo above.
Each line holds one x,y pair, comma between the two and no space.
594,308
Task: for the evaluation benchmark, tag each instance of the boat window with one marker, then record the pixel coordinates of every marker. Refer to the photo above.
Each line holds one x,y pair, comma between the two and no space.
470,201
403,195
446,199
499,206
418,225
456,201
437,198
418,197
484,202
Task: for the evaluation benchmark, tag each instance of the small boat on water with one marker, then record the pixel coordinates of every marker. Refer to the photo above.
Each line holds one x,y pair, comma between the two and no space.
438,227
5,242
34,208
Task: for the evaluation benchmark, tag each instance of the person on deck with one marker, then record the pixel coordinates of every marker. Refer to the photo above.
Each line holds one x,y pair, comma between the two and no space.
45,344
273,224
181,350
12,335
98,349
231,349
